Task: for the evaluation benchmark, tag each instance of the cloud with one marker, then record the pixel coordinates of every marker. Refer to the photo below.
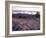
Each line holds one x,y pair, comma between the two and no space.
24,12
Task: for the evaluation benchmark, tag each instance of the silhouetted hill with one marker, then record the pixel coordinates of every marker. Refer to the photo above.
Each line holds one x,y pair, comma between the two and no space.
20,15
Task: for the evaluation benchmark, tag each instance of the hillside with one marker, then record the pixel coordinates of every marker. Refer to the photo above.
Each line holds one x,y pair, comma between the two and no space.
21,22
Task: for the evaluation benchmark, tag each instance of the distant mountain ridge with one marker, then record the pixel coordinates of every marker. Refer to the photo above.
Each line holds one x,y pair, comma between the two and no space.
20,14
